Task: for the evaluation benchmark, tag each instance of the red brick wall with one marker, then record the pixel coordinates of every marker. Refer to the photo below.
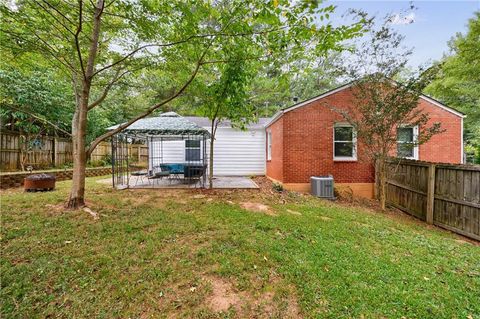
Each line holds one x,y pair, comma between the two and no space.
308,143
445,147
308,140
275,166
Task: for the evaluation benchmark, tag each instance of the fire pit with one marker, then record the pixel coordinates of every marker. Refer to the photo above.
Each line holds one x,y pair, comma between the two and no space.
39,183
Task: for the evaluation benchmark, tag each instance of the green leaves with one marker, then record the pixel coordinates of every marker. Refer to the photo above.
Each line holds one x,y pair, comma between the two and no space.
37,92
160,42
458,82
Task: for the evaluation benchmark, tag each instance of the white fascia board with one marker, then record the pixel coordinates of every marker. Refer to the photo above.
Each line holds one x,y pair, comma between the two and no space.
296,106
346,86
426,98
273,119
462,155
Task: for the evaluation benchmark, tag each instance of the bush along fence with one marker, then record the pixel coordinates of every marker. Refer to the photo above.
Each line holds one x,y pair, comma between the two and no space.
15,179
445,195
41,152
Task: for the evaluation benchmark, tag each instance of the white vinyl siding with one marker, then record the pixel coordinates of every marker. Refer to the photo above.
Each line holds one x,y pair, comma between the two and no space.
236,152
172,152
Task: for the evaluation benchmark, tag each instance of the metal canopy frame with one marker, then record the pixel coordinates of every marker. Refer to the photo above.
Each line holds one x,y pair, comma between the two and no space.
194,160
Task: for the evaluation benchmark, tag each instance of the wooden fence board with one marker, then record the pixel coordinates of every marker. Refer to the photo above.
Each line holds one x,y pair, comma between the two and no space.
54,152
455,197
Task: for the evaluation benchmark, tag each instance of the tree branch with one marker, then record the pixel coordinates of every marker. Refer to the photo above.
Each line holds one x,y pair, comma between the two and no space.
104,95
58,11
38,118
47,48
89,73
77,35
198,36
150,109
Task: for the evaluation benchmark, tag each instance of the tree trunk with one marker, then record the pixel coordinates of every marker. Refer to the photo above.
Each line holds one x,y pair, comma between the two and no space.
79,122
383,182
79,131
210,159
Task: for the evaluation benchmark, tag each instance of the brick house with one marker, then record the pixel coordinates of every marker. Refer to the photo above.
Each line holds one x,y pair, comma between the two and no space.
309,139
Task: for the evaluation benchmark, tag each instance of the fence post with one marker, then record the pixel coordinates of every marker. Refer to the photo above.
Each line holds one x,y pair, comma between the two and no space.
56,160
430,193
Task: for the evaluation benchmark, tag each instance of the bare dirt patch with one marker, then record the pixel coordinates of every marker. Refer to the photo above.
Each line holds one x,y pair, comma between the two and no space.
259,304
223,296
258,207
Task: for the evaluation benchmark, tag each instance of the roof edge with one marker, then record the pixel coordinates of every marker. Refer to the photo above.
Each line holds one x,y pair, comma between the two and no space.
346,86
305,102
442,106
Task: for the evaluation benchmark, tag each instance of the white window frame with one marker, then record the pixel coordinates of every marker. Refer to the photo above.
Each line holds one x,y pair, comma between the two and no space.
352,158
269,145
415,139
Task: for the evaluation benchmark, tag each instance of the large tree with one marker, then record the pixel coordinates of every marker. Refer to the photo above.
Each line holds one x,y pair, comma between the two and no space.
224,97
97,43
458,82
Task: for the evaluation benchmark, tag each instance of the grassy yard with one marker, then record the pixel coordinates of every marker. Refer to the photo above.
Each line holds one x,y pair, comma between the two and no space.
158,253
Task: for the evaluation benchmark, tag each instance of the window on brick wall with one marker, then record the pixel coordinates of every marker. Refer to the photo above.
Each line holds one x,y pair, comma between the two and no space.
406,142
269,145
344,143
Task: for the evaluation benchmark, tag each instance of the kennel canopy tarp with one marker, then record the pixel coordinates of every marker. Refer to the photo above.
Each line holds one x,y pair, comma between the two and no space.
166,124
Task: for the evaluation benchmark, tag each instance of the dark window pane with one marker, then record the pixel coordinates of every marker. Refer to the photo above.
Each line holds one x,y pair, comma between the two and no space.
343,133
192,143
405,150
405,134
343,149
192,154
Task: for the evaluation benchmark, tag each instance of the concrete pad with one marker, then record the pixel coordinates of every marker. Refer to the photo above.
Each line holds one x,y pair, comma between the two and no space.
219,182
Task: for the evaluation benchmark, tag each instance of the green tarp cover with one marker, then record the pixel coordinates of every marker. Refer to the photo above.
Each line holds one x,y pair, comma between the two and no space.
166,124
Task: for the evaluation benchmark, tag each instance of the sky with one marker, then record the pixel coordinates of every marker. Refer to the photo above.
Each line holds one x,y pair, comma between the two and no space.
427,29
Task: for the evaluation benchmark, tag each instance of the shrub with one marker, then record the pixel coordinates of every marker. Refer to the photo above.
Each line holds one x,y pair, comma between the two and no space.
277,187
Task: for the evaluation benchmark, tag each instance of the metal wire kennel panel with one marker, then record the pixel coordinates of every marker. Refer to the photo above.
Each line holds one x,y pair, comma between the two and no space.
120,161
184,156
177,152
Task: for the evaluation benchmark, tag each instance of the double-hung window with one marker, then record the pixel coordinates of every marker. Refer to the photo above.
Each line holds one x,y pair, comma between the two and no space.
269,145
406,142
192,150
344,143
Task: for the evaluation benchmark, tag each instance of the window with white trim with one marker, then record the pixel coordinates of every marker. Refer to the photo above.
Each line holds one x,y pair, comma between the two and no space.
269,145
344,143
406,142
192,150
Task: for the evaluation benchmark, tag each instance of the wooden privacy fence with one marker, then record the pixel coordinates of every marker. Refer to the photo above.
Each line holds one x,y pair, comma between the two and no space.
42,152
441,194
136,152
49,151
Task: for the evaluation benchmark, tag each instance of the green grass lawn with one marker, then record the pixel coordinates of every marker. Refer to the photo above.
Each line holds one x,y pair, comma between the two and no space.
158,253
